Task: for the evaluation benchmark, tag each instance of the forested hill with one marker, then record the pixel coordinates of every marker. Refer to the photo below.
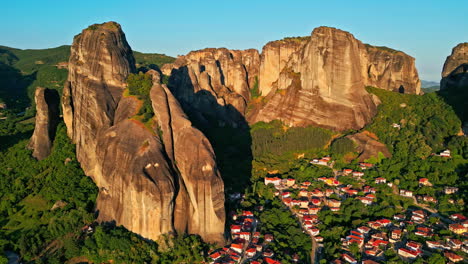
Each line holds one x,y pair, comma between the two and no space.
21,71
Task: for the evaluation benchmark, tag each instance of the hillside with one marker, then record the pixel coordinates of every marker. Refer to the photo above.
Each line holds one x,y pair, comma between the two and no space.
21,71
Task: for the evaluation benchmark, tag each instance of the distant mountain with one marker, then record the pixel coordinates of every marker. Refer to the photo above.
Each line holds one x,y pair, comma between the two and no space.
429,84
21,71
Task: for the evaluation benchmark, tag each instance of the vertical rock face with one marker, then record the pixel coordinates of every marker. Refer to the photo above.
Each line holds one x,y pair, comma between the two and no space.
322,85
318,80
99,64
455,71
392,70
215,82
150,184
200,202
47,118
275,56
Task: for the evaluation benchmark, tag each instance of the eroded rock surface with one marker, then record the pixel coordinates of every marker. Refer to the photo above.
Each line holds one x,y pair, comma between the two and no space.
455,71
392,70
318,80
368,146
47,119
214,82
322,85
149,183
275,55
199,205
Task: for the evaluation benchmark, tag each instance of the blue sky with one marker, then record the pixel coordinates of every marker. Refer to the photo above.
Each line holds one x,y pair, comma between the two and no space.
427,30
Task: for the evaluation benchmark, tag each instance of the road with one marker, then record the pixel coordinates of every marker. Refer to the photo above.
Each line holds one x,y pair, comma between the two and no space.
254,229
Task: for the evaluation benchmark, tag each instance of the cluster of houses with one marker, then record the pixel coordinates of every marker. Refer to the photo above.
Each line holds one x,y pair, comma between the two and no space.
247,245
377,236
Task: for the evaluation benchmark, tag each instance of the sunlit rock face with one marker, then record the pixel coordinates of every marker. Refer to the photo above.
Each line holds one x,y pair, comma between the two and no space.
148,182
316,80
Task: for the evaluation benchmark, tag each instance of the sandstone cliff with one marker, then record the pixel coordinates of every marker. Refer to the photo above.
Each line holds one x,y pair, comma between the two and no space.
47,119
317,80
392,70
322,85
455,70
99,64
199,207
214,82
275,55
150,184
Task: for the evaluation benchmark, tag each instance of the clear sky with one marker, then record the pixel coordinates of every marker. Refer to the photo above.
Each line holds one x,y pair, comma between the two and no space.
426,30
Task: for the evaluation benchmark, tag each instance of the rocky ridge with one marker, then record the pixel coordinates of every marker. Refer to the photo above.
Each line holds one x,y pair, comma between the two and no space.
318,80
158,187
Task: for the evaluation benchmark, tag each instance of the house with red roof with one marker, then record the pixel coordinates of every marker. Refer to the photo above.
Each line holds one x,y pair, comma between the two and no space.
457,228
268,237
408,253
434,245
349,259
365,165
364,229
413,245
396,234
271,261
453,257
347,171
215,255
303,193
273,180
235,228
458,217
244,235
399,217
313,231
237,248
315,201
250,252
454,243
365,200
424,182
290,182
358,173
380,180
384,222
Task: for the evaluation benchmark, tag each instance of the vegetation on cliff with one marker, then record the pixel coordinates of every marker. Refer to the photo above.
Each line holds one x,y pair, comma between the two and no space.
140,85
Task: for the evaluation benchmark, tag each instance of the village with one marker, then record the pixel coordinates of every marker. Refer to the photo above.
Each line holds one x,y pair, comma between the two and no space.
370,240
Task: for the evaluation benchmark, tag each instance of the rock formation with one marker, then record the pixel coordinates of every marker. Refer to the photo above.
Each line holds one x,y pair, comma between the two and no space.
99,64
214,82
455,71
392,70
322,85
275,55
47,119
199,204
150,184
317,80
